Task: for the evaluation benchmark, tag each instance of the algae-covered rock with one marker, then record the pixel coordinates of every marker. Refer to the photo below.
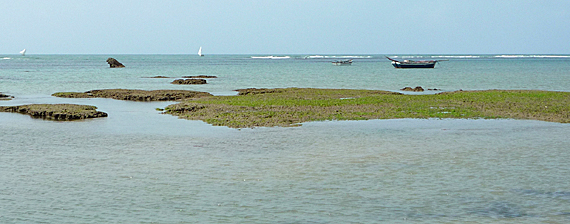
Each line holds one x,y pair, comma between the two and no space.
253,91
135,95
56,111
292,106
417,89
189,81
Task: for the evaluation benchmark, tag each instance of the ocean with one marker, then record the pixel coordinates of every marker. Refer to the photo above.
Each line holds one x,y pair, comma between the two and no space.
141,166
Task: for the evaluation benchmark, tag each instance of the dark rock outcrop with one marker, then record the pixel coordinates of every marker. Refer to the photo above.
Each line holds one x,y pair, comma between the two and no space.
5,97
64,112
417,89
189,81
113,63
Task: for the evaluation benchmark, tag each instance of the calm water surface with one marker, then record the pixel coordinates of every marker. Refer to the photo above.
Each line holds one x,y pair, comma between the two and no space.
140,166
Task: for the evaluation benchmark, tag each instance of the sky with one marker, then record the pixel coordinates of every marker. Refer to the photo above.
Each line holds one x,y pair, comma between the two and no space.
279,27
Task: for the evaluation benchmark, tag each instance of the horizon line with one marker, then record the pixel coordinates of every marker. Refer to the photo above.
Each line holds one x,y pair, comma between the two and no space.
274,54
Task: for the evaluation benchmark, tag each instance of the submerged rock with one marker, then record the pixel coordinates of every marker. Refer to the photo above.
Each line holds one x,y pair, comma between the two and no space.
5,97
113,63
200,77
417,89
159,77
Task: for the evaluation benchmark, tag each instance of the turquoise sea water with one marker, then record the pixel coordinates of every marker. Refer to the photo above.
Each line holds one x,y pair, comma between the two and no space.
140,166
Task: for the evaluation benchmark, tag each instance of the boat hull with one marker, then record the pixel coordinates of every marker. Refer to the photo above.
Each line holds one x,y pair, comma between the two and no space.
413,65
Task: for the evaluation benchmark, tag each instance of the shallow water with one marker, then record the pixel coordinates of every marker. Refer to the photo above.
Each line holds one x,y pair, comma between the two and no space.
140,166
350,171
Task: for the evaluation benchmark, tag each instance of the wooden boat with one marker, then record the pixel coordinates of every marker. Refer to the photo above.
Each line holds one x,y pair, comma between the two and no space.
412,64
345,62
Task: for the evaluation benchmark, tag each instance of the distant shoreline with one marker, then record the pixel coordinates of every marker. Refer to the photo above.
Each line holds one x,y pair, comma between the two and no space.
312,56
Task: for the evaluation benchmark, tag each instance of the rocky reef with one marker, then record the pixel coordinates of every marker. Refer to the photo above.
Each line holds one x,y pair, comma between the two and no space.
417,89
189,81
254,91
65,112
293,106
135,95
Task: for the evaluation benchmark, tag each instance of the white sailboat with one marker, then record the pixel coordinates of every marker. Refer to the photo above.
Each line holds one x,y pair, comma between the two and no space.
23,52
200,52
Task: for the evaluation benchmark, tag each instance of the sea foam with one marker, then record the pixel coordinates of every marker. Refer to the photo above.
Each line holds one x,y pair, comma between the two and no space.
336,56
270,57
532,56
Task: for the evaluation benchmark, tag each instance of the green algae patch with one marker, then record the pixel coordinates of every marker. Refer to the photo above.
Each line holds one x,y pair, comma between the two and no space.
65,112
291,106
135,95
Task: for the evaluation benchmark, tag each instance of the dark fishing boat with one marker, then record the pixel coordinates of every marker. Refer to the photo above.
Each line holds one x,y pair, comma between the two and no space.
412,64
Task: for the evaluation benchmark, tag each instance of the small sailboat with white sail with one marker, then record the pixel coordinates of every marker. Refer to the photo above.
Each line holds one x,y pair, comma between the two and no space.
23,52
200,52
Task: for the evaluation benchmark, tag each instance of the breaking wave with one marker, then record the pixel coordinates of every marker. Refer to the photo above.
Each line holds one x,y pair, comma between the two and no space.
271,57
336,56
532,56
457,56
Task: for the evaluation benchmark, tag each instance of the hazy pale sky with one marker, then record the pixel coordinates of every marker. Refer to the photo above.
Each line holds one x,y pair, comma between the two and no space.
285,26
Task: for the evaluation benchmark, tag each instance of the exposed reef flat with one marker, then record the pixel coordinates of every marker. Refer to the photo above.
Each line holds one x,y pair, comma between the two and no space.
254,91
189,81
64,112
291,106
135,95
